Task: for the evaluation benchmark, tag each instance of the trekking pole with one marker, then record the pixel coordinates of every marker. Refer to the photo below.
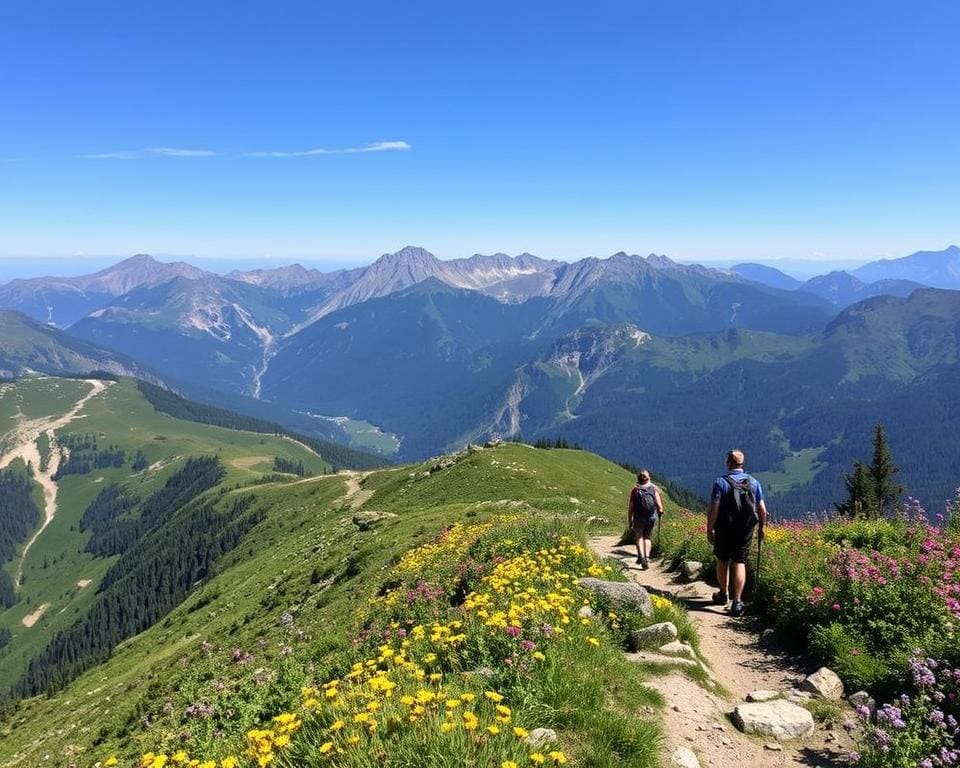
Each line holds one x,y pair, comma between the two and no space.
756,581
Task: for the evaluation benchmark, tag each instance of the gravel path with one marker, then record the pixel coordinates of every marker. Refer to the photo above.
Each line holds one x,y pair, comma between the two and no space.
24,438
698,719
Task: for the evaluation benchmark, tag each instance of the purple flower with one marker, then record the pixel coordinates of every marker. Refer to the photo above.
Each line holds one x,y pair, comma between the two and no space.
513,631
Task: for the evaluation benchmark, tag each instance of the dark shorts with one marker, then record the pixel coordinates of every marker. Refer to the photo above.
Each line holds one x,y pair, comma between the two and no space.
643,527
732,544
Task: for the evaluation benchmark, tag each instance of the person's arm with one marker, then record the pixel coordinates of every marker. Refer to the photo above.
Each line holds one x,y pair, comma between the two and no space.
712,513
658,501
633,498
762,514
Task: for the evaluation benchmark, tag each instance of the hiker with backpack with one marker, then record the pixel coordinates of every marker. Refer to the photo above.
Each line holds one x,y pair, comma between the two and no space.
645,508
736,510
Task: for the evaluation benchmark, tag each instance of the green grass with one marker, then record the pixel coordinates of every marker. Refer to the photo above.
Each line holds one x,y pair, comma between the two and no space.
306,560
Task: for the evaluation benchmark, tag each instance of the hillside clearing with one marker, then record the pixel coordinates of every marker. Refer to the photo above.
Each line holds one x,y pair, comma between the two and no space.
32,618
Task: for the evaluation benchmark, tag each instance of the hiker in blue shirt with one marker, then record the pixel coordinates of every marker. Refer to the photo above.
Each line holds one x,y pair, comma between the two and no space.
736,510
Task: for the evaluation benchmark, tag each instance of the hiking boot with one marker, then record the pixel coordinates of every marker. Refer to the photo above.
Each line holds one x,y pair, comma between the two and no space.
645,565
720,598
639,560
736,609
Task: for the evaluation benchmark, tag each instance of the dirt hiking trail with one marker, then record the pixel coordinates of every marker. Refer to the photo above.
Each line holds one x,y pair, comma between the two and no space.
24,437
739,662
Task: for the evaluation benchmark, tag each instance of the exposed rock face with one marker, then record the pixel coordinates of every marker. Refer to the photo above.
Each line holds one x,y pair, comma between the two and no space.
621,595
652,637
824,684
779,719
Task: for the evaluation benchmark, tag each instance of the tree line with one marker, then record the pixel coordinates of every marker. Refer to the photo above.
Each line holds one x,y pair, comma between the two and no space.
151,578
19,515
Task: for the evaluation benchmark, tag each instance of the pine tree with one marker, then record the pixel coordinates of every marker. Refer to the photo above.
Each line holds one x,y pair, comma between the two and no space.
861,496
886,491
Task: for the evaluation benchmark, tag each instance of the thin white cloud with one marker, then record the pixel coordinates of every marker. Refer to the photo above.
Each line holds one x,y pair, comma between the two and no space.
110,156
378,146
134,154
175,152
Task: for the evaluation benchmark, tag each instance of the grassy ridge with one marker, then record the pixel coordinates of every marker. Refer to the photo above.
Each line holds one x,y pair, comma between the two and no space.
285,600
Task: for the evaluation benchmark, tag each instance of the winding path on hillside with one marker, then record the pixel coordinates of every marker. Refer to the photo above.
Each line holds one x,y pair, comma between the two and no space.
25,438
699,719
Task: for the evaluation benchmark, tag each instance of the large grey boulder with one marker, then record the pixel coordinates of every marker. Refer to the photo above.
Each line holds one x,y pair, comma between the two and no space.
824,684
622,595
652,637
779,719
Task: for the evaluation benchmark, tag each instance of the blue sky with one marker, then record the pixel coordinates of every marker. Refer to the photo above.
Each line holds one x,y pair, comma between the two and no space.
703,130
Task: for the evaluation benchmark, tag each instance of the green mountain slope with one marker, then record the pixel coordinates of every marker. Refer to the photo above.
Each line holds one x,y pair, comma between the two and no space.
30,346
799,401
279,610
60,578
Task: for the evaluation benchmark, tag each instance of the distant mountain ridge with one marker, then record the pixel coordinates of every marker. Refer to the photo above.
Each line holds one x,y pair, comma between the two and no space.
937,269
843,289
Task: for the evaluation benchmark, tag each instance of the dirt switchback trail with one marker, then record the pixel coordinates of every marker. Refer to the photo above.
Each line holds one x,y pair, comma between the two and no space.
24,437
698,719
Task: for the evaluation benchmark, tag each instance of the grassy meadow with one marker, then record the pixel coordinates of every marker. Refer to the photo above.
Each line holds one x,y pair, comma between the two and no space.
304,598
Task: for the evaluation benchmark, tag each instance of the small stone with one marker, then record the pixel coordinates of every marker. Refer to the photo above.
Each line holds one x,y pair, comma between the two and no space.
779,719
653,636
585,612
863,699
676,708
691,569
541,737
773,747
725,741
718,727
763,695
678,648
683,757
824,684
768,635
829,737
369,519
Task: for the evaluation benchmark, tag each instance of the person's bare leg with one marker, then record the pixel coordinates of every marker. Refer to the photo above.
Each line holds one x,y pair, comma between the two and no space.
722,568
738,578
638,540
647,547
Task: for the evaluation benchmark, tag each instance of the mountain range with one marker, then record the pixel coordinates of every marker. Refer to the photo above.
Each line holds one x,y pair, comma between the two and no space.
629,355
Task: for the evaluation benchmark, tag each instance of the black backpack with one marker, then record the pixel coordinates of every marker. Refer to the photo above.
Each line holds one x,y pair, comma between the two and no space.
739,506
646,502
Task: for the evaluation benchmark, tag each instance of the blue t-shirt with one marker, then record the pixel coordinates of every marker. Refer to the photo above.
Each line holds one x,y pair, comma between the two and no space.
721,486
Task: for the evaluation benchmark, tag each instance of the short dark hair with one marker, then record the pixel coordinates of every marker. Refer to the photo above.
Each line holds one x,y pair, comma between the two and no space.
735,458
643,476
